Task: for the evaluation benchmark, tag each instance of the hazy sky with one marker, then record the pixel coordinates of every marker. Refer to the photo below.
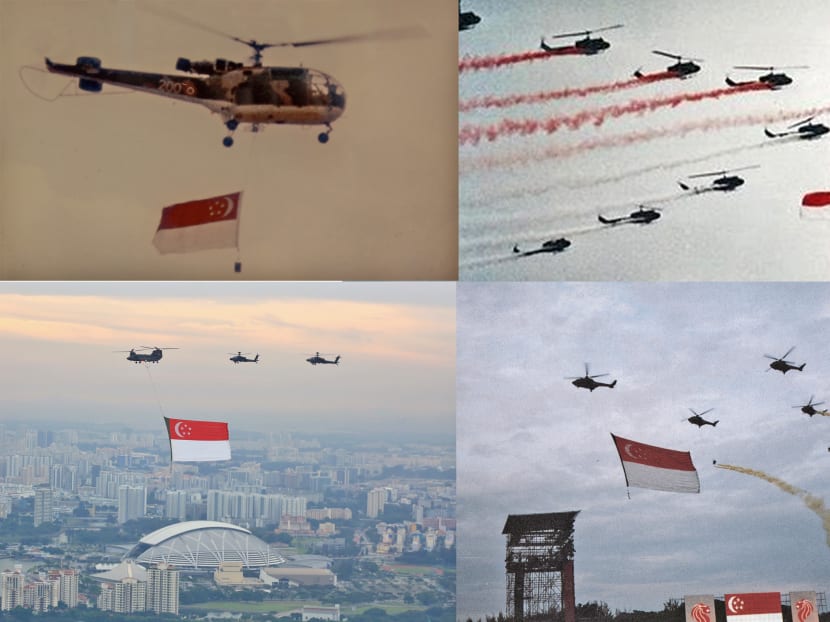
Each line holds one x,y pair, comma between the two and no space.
396,340
83,179
524,189
529,441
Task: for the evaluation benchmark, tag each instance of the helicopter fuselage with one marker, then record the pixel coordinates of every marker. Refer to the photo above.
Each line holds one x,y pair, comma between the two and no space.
784,366
683,69
153,357
591,384
289,95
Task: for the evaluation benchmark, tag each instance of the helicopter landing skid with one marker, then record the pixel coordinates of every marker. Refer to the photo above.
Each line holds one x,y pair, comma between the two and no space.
323,137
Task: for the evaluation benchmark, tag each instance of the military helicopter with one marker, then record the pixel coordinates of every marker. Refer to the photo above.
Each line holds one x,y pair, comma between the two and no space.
724,183
681,69
809,407
806,130
779,364
319,360
698,420
587,381
239,93
551,246
641,216
243,358
153,357
582,46
467,19
772,80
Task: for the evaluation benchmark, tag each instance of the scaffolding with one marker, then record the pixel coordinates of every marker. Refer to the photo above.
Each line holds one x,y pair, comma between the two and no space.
539,564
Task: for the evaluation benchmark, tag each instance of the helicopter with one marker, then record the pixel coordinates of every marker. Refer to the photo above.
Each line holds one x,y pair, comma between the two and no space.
243,358
154,356
319,360
698,420
467,19
779,364
806,130
238,92
809,407
551,246
681,69
585,46
640,216
587,381
772,80
724,183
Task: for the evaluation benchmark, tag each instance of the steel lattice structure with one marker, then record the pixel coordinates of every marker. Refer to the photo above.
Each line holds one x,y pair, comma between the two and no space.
539,565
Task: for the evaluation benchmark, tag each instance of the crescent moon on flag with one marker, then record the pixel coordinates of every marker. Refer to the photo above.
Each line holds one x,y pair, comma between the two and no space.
228,208
730,604
627,450
176,429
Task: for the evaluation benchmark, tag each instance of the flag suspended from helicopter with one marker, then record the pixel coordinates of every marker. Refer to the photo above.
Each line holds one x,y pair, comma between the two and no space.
816,199
198,225
198,441
658,468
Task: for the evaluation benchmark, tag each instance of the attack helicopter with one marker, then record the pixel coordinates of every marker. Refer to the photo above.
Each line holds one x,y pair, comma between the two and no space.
809,407
806,129
585,46
772,80
551,246
640,216
467,19
238,92
779,364
683,68
724,183
587,381
698,420
153,357
316,359
243,358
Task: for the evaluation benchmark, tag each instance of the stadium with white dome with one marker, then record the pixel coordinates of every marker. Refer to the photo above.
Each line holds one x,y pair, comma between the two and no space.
203,545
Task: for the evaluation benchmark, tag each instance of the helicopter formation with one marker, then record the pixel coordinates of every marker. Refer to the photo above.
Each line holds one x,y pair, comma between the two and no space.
155,355
589,382
239,92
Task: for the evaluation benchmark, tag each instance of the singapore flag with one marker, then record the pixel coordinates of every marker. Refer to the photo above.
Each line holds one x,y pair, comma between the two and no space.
648,466
198,441
753,607
199,225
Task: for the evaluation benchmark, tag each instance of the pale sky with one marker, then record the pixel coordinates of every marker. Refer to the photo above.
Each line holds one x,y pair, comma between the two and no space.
396,340
530,442
83,179
526,189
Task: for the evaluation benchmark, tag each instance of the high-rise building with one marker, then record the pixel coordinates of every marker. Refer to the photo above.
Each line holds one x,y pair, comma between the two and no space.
126,596
163,589
175,504
65,581
132,503
375,500
43,506
11,588
37,596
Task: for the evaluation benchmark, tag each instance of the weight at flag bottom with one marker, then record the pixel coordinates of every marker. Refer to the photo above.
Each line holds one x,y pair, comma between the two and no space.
198,441
657,468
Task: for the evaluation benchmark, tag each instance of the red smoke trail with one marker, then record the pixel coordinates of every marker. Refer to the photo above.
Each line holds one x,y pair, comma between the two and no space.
631,138
476,63
472,134
543,96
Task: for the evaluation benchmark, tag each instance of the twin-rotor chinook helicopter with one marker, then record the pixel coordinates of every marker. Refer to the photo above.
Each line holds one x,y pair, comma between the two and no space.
238,92
153,357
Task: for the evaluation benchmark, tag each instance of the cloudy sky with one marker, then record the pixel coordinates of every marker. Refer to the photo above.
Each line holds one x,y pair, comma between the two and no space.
528,189
83,179
396,375
530,442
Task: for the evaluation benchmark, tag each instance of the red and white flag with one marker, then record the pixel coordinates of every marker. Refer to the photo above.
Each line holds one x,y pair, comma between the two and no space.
816,199
198,441
648,466
199,225
762,606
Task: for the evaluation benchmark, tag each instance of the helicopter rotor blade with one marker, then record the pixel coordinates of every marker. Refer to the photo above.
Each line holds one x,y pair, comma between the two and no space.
175,16
807,120
769,68
586,32
774,358
391,33
731,170
597,376
788,353
677,56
